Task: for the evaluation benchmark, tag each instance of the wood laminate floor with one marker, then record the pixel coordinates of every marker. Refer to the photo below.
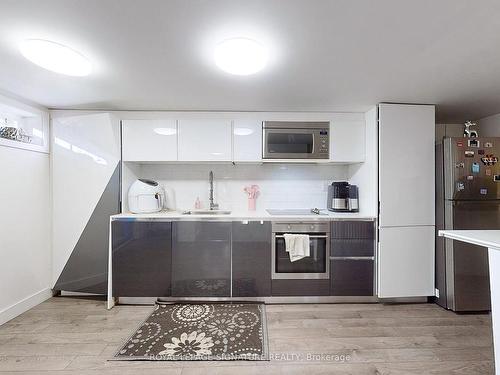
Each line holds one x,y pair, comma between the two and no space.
69,335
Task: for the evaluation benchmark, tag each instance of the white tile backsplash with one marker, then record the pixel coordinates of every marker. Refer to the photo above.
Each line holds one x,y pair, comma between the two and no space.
281,186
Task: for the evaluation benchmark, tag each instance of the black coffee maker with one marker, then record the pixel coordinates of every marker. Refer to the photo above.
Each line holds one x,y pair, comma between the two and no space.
342,197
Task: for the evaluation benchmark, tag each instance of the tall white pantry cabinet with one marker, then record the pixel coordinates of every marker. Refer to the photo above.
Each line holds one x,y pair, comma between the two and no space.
406,200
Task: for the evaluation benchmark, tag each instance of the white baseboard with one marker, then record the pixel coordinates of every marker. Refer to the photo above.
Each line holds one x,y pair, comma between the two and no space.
65,293
24,305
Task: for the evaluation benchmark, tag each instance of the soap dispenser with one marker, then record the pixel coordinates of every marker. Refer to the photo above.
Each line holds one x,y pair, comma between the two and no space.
197,203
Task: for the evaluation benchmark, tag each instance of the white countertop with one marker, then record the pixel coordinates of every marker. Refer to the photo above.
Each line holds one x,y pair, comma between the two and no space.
241,215
486,238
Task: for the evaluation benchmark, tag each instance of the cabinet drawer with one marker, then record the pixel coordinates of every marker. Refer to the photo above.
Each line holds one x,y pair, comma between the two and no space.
300,287
353,230
352,247
352,277
189,231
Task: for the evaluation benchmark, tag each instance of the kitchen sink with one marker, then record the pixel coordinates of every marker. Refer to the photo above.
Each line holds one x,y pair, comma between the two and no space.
207,212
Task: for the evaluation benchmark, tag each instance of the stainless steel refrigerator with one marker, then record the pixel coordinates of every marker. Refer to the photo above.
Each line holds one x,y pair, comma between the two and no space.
467,197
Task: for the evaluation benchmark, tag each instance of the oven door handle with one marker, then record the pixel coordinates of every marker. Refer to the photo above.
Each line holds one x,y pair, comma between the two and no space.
320,236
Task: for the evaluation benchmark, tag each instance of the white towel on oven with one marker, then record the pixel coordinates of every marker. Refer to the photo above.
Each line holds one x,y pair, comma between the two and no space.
297,246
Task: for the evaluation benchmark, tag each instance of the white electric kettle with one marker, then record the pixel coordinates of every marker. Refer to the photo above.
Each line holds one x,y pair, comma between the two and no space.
145,196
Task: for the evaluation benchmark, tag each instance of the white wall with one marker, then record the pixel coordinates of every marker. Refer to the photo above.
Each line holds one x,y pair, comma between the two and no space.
448,130
489,126
281,186
25,250
365,175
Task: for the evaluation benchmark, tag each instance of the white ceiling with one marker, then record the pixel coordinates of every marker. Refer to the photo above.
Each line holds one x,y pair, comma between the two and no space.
326,55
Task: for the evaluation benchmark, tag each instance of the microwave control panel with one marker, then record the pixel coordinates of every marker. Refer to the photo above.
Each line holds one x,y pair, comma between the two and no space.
323,141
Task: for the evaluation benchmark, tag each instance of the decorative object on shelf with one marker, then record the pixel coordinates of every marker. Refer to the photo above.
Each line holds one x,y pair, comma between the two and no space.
200,331
14,134
468,133
252,193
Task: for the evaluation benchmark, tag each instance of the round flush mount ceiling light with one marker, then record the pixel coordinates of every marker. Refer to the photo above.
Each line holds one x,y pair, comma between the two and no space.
240,56
56,57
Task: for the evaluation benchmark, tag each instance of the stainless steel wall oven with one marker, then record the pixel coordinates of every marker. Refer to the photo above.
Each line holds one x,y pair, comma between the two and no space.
315,266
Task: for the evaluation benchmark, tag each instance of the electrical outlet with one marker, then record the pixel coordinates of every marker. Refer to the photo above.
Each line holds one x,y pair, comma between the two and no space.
436,292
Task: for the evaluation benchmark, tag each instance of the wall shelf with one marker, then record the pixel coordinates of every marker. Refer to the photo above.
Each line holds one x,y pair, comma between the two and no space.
23,126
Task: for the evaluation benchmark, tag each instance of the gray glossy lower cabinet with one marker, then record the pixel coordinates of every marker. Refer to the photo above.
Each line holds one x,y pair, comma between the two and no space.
299,288
224,259
352,262
352,238
141,258
352,277
201,259
251,259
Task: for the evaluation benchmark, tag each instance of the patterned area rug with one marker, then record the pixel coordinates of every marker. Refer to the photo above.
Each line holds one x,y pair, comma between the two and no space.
200,331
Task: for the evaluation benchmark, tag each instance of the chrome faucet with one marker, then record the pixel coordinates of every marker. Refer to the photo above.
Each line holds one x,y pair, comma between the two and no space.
213,206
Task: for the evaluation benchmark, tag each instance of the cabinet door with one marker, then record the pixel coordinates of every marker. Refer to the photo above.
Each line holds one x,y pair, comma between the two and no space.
141,256
406,165
347,141
251,259
201,259
406,262
149,140
352,277
247,140
205,140
85,179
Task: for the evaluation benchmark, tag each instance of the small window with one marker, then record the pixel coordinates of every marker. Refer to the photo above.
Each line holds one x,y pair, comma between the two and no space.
22,126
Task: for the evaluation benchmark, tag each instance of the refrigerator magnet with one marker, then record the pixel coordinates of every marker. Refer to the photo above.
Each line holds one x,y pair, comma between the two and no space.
460,186
487,171
480,152
460,165
496,178
470,177
488,144
489,159
469,154
483,191
475,167
473,143
460,144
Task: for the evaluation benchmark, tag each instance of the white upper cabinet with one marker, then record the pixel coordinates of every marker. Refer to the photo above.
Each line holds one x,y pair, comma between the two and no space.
149,140
247,140
347,141
205,140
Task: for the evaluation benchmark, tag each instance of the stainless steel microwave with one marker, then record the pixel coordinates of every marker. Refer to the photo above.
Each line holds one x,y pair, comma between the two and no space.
296,140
